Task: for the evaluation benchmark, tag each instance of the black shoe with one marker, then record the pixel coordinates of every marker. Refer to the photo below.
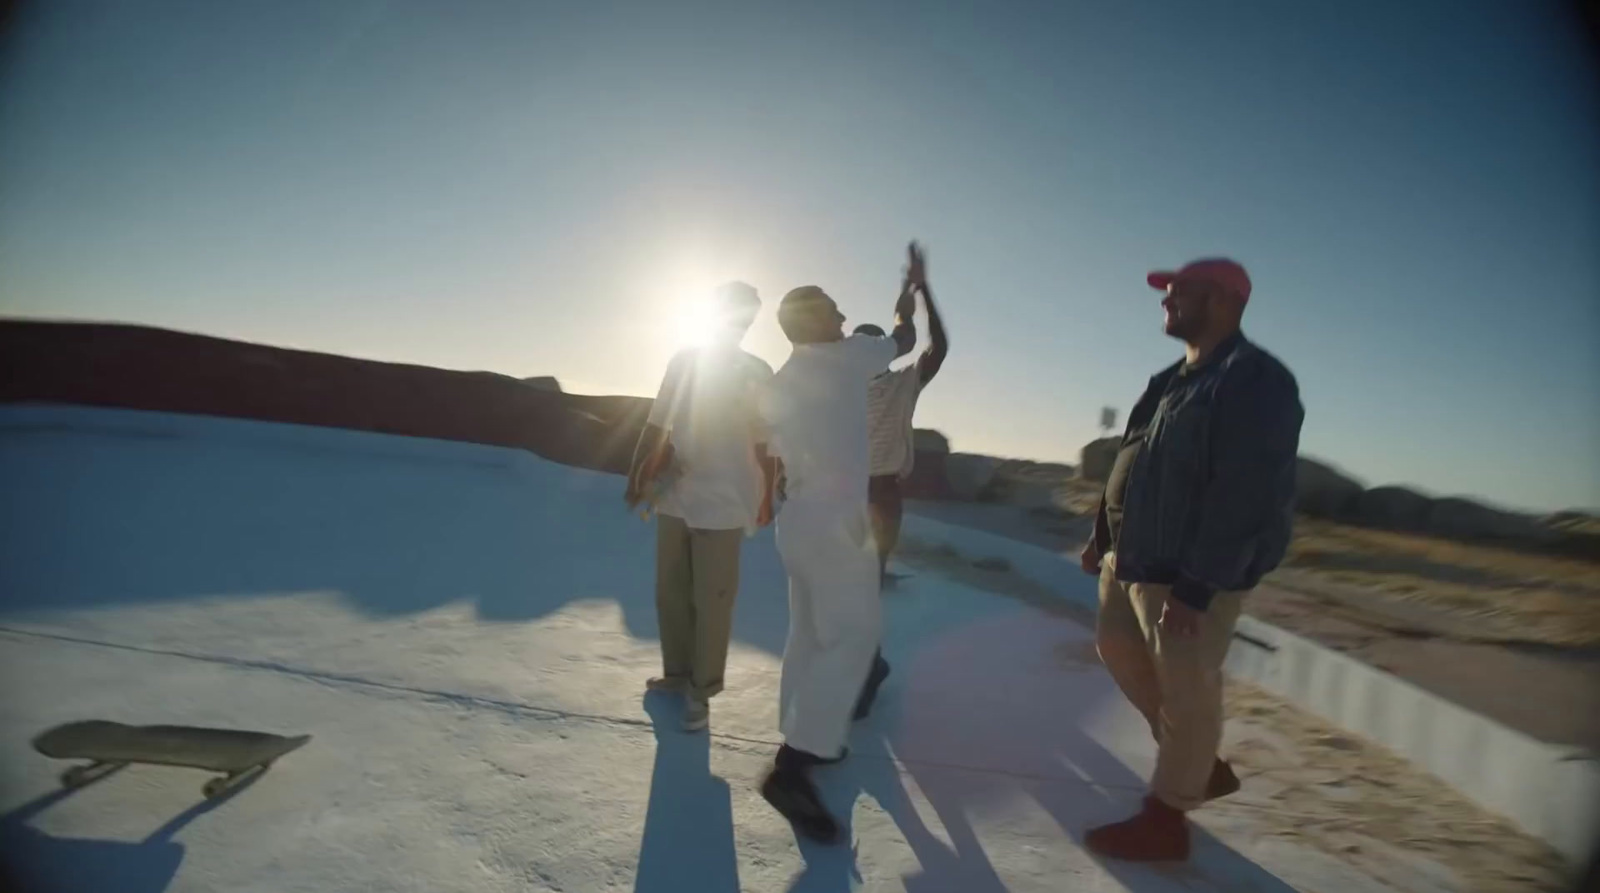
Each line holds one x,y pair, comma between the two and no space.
799,760
843,752
793,795
869,692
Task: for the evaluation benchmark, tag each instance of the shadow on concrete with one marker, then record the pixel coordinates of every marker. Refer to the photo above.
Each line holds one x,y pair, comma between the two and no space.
974,742
187,508
36,861
688,827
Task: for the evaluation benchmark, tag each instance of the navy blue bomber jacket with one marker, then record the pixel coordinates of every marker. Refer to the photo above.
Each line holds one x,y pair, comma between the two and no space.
1210,495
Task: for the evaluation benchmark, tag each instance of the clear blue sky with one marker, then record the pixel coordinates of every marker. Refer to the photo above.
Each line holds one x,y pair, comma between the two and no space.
538,188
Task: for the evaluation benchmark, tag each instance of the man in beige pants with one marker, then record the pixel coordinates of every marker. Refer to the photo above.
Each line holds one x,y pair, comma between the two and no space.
705,447
1196,510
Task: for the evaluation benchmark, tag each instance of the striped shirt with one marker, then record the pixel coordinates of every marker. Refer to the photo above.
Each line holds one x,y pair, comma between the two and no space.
891,401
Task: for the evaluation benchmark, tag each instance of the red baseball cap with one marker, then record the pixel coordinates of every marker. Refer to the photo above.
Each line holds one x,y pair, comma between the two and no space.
1216,270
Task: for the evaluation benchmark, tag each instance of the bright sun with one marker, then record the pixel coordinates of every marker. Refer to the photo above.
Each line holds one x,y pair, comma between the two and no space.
684,283
696,324
694,318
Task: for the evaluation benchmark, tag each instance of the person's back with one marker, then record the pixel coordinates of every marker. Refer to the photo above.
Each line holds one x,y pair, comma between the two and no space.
703,452
817,407
891,403
712,420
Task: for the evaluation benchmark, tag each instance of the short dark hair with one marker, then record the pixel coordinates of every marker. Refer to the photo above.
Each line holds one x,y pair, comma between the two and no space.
796,307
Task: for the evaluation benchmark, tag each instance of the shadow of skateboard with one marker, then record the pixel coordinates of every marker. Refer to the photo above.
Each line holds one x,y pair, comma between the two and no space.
110,746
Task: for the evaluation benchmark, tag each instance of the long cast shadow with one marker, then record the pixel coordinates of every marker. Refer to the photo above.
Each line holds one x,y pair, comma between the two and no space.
688,840
220,507
976,742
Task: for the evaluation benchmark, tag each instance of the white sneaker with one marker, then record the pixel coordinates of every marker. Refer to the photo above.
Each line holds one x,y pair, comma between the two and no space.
696,715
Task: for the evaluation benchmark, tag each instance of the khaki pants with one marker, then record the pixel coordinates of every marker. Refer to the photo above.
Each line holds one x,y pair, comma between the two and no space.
697,580
886,506
1175,681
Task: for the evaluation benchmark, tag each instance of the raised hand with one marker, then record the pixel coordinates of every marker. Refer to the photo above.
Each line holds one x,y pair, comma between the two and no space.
916,266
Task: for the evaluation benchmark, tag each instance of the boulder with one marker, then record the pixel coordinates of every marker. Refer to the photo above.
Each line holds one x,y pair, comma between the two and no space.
1097,457
927,440
1573,520
544,383
1465,519
969,475
1393,508
1323,491
1030,485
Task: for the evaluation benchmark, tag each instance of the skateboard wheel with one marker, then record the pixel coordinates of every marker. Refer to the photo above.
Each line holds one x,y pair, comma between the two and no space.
73,777
215,787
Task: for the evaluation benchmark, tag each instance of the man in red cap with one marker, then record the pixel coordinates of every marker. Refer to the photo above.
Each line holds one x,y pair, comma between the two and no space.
1196,510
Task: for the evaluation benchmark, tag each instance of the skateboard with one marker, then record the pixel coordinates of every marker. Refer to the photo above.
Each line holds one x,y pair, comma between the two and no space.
109,746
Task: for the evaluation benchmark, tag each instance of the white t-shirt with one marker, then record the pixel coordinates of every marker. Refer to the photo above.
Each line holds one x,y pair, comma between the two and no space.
891,401
708,405
816,408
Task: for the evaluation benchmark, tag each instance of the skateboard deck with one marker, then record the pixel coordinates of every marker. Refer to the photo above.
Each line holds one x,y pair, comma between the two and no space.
109,746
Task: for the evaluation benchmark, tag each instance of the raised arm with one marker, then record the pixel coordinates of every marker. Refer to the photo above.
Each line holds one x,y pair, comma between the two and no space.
905,306
932,359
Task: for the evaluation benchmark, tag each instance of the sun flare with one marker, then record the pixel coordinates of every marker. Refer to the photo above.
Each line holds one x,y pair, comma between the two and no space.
695,322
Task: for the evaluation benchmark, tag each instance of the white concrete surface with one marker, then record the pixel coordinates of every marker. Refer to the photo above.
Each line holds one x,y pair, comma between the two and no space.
465,631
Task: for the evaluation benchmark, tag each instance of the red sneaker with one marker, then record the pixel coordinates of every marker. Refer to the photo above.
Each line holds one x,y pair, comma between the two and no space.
1158,833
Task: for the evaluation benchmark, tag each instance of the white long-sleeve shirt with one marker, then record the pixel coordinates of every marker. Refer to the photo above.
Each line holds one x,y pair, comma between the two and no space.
816,410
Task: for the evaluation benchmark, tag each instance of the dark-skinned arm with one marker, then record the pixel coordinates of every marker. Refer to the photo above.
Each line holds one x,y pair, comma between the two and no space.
905,327
932,359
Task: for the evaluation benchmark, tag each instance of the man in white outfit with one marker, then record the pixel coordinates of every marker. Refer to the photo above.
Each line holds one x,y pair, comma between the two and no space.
816,409
704,433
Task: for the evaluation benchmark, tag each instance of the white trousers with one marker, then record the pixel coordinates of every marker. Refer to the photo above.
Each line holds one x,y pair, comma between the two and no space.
835,618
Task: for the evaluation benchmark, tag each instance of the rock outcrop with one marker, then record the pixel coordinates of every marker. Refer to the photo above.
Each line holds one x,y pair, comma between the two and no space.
135,367
1393,508
1323,491
927,440
969,475
1097,457
1458,518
